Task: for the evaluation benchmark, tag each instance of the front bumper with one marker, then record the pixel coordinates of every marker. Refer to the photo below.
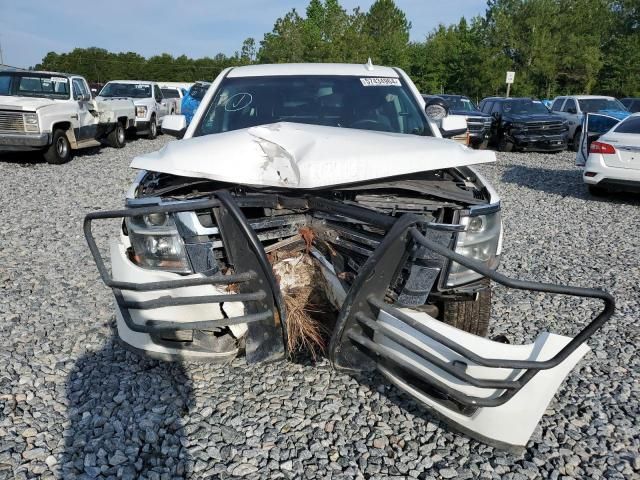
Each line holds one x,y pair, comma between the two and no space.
142,125
540,143
492,391
12,142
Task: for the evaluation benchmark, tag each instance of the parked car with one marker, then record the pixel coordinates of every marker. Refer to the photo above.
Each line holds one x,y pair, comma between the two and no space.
479,123
331,182
631,104
176,94
55,113
609,153
524,124
191,101
573,108
151,106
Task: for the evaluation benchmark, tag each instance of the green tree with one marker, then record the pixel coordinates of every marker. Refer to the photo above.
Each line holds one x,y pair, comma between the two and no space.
387,29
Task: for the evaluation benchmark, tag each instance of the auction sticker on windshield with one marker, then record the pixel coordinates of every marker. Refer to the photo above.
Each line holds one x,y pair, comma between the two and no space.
59,79
380,82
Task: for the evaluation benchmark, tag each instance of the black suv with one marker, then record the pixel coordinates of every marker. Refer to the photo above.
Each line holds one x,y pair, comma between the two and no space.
478,123
524,124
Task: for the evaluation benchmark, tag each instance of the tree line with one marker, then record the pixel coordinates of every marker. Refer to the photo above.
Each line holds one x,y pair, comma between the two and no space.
554,46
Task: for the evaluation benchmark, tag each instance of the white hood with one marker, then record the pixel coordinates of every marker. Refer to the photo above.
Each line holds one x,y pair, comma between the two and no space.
306,156
29,104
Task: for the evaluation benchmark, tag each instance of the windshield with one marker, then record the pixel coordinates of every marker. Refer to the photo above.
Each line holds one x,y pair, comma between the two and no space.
381,104
34,85
459,103
524,107
198,90
590,105
129,90
170,93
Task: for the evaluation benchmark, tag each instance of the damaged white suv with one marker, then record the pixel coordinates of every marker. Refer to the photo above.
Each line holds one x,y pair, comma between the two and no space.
311,201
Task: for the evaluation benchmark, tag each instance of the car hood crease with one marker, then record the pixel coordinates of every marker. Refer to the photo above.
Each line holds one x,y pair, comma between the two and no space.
292,155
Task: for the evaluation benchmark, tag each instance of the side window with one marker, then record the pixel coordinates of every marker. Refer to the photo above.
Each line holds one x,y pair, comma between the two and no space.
86,88
78,88
486,107
497,107
557,104
570,104
157,93
626,102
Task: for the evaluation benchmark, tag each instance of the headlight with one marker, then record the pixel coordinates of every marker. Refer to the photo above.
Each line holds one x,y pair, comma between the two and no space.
156,243
30,122
565,125
479,242
141,111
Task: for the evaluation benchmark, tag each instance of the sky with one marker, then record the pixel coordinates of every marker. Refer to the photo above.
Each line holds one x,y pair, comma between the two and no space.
29,29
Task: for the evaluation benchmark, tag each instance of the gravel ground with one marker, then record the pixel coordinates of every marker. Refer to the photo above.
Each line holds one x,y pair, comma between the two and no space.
74,404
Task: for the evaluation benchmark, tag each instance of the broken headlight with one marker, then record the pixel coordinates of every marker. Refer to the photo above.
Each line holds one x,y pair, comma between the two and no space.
479,241
156,243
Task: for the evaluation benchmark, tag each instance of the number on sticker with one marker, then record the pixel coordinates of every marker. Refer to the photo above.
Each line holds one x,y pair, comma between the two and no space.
380,82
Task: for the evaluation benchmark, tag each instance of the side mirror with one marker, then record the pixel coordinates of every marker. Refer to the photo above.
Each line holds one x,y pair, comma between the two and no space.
436,109
572,110
495,115
174,125
453,126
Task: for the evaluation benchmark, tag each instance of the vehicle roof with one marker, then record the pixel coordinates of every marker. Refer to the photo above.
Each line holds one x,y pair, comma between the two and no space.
131,81
346,69
511,98
630,98
587,97
40,72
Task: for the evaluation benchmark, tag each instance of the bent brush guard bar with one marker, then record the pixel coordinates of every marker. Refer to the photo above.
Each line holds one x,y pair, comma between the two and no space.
493,392
257,286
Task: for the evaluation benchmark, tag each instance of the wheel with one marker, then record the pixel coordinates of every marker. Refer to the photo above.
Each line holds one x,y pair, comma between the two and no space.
575,143
117,137
59,151
504,145
153,128
597,191
472,316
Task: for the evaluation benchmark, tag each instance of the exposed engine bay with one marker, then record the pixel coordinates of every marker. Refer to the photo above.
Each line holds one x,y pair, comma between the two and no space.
286,222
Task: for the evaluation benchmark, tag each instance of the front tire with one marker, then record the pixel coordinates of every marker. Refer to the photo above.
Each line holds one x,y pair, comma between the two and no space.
59,151
504,145
118,137
153,128
472,316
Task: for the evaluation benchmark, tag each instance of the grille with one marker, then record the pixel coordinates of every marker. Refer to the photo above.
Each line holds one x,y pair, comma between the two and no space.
545,128
476,124
11,122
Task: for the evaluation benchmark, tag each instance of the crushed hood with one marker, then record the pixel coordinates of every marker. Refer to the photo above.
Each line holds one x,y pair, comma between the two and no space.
304,156
28,104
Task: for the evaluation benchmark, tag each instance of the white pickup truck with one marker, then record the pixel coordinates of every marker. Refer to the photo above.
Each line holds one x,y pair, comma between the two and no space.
54,113
151,105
